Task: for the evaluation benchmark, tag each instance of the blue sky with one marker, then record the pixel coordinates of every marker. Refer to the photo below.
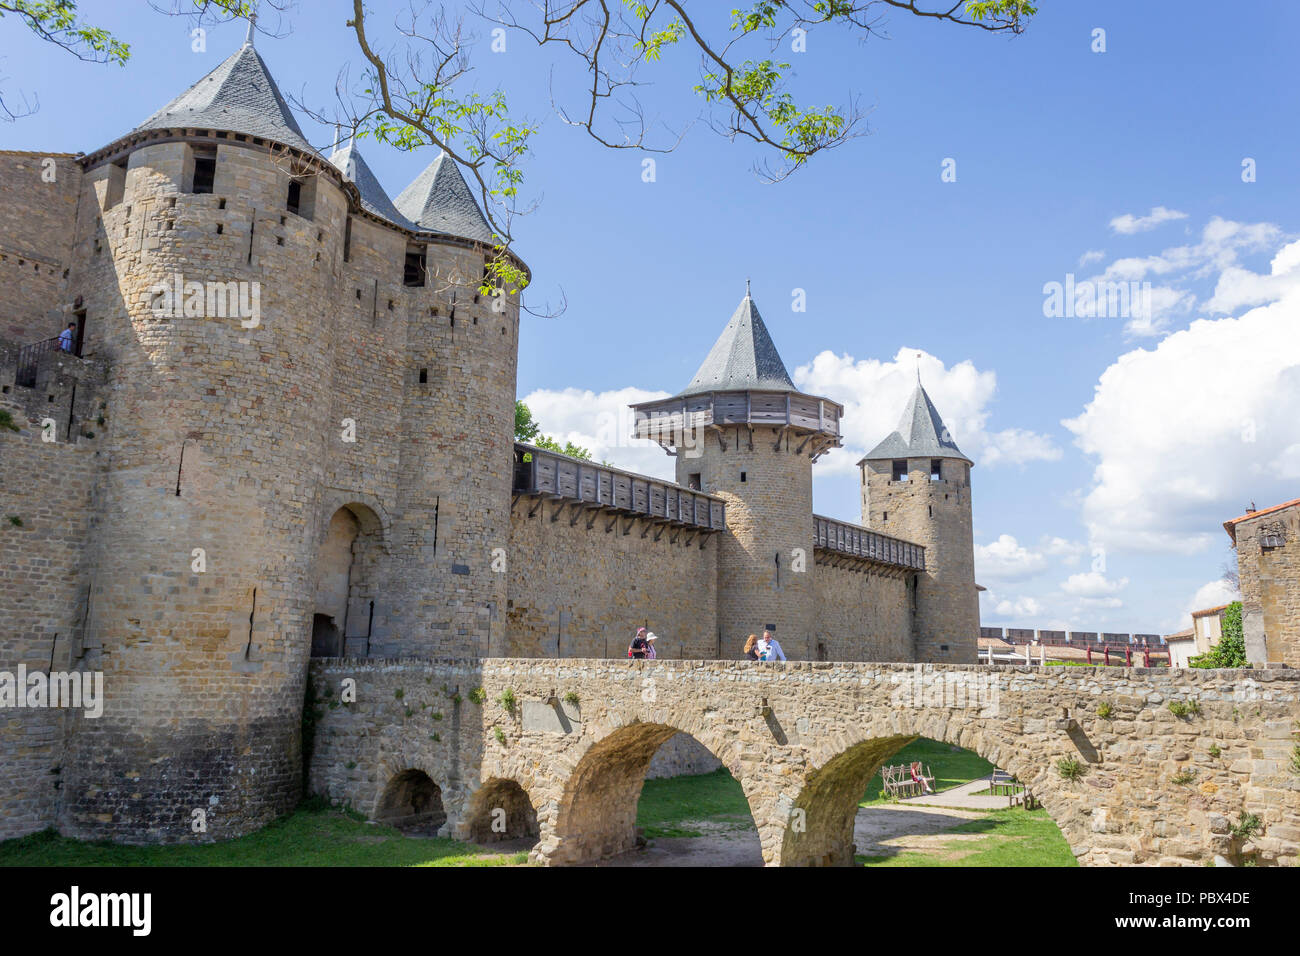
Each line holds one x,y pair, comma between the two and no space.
1109,450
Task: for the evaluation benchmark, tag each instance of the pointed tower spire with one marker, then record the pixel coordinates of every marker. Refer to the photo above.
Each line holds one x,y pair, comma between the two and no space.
921,433
373,197
743,357
252,27
238,96
439,200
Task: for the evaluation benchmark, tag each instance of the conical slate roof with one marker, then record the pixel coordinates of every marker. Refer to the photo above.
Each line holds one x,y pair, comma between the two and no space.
374,199
440,201
238,96
743,358
921,434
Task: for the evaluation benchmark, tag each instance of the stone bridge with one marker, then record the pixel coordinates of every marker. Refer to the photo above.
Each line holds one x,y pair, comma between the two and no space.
558,748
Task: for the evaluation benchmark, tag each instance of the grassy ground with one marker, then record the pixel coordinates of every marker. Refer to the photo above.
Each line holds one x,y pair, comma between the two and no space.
999,838
669,805
951,766
313,835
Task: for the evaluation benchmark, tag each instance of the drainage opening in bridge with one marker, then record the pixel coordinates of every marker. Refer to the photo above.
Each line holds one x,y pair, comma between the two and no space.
412,803
914,801
689,812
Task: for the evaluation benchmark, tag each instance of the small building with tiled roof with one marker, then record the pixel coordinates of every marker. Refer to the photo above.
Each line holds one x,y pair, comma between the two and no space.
1268,571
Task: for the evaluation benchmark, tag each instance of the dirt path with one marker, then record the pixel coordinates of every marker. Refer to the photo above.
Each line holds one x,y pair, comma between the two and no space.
877,831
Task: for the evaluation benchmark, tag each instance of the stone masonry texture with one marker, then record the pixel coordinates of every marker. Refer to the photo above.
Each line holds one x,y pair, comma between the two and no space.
804,738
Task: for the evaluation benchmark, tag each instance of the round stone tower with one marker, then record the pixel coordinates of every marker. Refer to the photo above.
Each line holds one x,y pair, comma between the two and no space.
916,486
742,431
283,344
204,265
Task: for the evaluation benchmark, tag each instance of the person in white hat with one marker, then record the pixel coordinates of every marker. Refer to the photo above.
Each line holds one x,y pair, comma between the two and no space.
650,645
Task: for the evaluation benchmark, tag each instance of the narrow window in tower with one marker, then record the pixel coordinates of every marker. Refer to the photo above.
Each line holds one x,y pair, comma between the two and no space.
694,481
899,471
347,240
413,272
295,196
884,516
934,469
742,476
205,168
424,376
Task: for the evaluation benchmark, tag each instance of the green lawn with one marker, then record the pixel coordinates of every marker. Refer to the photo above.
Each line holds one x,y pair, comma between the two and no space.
1012,837
668,803
316,835
313,835
951,766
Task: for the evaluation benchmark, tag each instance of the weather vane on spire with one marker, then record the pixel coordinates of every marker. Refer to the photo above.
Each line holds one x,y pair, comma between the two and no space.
746,287
252,26
918,368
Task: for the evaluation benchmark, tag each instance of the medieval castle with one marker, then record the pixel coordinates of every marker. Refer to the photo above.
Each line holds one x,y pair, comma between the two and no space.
283,428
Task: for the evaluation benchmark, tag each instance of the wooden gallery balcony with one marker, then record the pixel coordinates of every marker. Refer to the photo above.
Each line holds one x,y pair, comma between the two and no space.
841,544
804,422
618,498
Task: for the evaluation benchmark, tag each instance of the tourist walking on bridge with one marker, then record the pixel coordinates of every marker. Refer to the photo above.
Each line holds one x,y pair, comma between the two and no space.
769,649
637,649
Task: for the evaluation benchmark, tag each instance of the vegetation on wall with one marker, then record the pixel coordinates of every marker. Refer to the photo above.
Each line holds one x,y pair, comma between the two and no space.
1231,649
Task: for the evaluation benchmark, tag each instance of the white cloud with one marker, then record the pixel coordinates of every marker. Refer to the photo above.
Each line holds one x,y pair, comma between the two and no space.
1222,242
1128,224
1091,256
1092,584
1068,551
1210,594
602,423
1017,446
1185,433
1020,608
873,394
1005,559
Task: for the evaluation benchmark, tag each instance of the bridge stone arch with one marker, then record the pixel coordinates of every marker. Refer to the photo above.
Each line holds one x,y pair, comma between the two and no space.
595,814
823,813
1161,784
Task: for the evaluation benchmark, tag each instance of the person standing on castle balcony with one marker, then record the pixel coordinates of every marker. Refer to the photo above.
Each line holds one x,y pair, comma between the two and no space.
66,337
770,649
650,646
751,647
637,649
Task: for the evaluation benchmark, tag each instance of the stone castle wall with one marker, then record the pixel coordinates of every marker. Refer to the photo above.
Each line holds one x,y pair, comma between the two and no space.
38,212
1270,586
863,615
48,487
576,591
937,514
